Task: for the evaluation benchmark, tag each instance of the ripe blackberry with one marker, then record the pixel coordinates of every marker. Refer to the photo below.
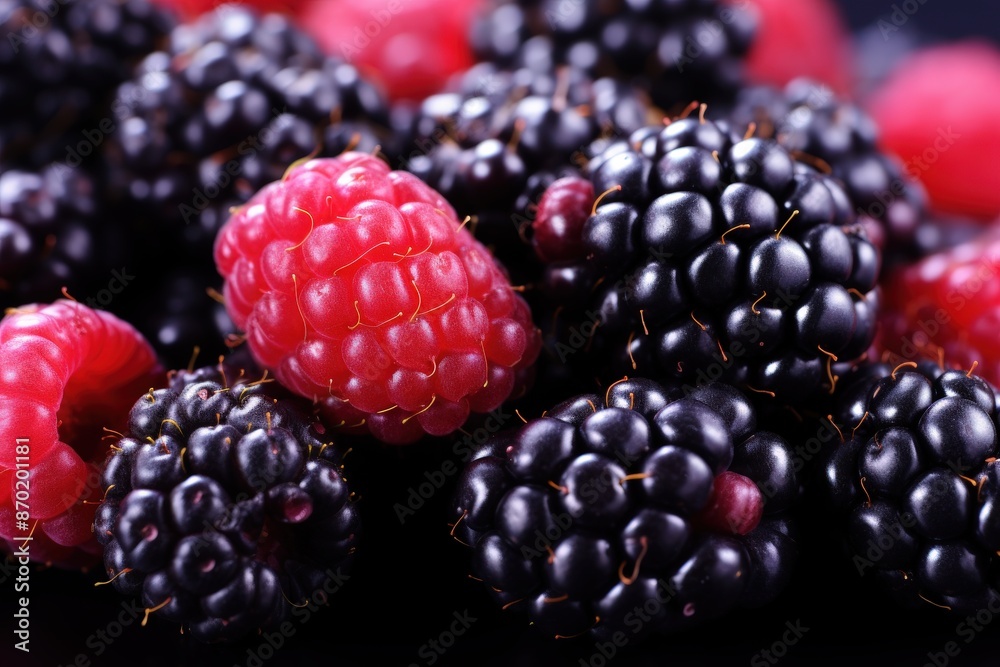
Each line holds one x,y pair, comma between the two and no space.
225,505
811,121
676,51
494,144
359,288
225,108
68,373
914,487
707,257
59,67
637,500
54,233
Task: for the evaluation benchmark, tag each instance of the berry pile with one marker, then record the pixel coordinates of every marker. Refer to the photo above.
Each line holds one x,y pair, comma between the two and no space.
415,222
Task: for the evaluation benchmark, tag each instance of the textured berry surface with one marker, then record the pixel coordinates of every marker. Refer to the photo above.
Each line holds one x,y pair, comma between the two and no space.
947,307
66,373
493,144
797,38
837,136
59,67
225,505
949,132
711,256
55,233
638,499
676,51
411,46
359,287
914,487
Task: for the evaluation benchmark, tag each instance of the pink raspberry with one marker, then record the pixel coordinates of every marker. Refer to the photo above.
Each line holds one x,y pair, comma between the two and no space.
360,289
67,373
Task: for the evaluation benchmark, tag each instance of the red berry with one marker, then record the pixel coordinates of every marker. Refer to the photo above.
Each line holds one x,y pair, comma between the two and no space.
947,308
412,46
558,225
735,506
938,111
358,287
66,373
800,38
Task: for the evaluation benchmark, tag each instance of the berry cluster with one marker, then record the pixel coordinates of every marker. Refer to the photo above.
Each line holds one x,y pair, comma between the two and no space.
709,256
376,266
224,505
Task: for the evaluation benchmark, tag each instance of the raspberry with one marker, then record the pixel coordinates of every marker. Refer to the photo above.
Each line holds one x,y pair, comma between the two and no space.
225,505
412,46
949,134
359,287
800,38
67,372
947,307
580,517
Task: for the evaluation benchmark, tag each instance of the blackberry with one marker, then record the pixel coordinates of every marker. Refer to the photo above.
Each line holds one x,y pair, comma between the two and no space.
59,67
55,233
222,110
494,144
640,498
914,487
225,505
707,256
810,121
676,51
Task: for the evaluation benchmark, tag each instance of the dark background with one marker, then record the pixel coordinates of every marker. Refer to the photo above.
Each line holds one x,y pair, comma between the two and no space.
413,577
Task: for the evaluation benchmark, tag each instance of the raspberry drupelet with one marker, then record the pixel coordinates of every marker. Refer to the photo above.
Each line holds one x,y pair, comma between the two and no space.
359,288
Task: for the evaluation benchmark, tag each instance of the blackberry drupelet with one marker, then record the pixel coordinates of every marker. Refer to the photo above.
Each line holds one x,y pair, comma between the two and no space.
494,144
916,487
811,121
640,499
54,233
225,505
59,66
225,108
677,51
707,256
